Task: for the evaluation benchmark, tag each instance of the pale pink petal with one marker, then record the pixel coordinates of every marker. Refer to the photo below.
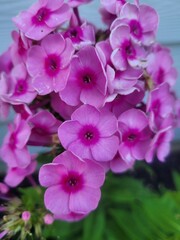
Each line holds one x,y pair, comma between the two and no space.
60,16
23,157
94,174
148,18
37,33
139,149
35,60
53,5
71,93
92,97
119,35
42,84
125,153
71,162
118,165
57,200
107,125
119,61
129,11
61,80
14,177
51,174
86,114
68,132
163,150
105,149
53,44
84,201
66,56
79,149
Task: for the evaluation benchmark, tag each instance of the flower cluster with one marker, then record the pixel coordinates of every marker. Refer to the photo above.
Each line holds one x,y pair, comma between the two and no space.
103,97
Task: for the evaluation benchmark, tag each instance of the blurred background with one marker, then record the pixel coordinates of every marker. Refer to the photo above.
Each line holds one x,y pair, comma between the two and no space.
168,33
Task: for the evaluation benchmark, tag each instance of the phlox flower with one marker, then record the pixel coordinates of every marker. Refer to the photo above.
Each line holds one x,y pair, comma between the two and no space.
16,88
48,64
160,68
135,135
42,18
81,35
87,82
142,20
16,175
125,52
14,150
19,48
73,185
43,126
160,105
90,134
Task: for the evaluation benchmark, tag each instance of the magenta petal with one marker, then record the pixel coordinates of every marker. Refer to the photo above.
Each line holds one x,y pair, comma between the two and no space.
118,165
163,151
37,33
92,97
128,119
23,157
84,201
43,84
70,162
66,56
79,149
68,132
57,200
108,124
14,177
53,5
53,44
105,149
140,149
61,80
71,93
59,16
35,60
125,153
94,174
51,174
86,114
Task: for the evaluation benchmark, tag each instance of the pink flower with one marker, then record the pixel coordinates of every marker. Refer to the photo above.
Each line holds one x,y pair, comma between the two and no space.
133,127
3,188
16,175
48,219
81,35
160,105
73,184
19,47
17,86
161,142
42,18
6,61
26,215
142,20
48,64
160,68
14,150
113,6
118,165
90,134
43,125
125,52
87,82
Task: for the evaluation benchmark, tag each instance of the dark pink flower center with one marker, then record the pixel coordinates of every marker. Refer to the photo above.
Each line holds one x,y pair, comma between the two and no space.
21,47
160,76
89,135
72,182
156,106
128,50
74,33
136,29
41,16
21,87
131,137
52,65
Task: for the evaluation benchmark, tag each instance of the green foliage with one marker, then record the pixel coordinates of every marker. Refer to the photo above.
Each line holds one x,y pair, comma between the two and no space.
128,211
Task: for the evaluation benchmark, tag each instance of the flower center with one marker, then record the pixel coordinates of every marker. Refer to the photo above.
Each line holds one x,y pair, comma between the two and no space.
86,79
128,50
89,135
131,137
135,28
73,182
52,65
21,87
41,16
160,76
